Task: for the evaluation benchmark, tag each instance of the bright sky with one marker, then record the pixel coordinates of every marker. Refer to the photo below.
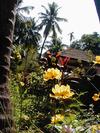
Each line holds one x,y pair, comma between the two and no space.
81,15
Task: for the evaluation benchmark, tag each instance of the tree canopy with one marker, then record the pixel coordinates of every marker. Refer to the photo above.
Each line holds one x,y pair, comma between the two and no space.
88,42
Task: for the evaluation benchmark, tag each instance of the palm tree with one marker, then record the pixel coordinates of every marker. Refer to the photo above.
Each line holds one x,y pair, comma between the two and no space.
20,10
22,23
26,33
26,28
71,37
50,21
7,19
56,45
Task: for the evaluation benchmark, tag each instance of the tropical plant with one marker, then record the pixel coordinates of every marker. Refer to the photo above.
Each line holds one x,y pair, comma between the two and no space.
50,21
7,19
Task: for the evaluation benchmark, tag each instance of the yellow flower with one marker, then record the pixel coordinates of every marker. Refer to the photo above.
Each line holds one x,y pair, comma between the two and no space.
96,97
19,75
18,55
25,117
95,128
57,118
52,73
22,83
97,60
61,92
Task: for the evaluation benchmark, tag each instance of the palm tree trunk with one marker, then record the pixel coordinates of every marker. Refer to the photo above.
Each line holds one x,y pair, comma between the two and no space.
7,19
42,47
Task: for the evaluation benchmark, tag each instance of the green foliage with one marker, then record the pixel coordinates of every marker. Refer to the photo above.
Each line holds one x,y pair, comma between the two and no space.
26,32
26,75
88,42
33,108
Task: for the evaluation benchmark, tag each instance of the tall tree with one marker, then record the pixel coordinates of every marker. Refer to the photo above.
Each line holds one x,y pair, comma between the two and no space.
7,19
71,36
50,21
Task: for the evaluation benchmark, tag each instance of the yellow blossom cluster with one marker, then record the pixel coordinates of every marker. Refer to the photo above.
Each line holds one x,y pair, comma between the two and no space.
97,60
96,96
18,55
25,117
57,118
22,83
61,92
52,73
95,128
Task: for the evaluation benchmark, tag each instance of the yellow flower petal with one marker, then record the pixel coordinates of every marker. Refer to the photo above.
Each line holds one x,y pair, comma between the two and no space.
52,73
22,83
96,97
95,128
57,118
97,60
61,92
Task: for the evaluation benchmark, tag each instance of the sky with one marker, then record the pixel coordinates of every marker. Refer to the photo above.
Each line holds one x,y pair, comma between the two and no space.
81,15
